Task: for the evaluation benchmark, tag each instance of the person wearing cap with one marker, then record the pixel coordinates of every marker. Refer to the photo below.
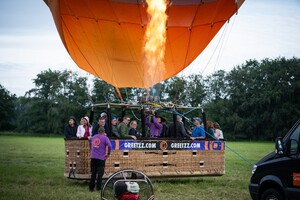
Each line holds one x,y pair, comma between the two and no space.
114,128
198,130
100,151
103,114
84,130
71,128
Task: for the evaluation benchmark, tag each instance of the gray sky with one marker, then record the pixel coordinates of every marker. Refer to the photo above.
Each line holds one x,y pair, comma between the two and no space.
29,42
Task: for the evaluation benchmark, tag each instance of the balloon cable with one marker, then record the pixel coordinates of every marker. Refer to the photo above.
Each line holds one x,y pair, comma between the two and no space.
119,93
224,42
232,150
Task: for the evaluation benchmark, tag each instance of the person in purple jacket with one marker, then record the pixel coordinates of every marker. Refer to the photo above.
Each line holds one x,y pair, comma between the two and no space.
100,150
155,125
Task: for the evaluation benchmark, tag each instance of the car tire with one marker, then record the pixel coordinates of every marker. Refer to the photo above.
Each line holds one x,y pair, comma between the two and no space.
271,194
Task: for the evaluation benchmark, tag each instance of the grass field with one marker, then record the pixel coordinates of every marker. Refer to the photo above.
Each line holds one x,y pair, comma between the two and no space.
31,167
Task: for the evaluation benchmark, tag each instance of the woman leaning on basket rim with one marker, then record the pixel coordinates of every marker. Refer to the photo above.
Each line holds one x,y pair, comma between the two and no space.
218,132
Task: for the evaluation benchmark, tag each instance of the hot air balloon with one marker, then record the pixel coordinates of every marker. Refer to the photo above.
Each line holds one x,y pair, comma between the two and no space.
106,37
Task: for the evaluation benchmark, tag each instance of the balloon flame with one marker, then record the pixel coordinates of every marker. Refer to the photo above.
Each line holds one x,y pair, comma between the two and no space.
155,39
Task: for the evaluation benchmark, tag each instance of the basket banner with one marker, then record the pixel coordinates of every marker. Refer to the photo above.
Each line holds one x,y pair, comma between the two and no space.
166,145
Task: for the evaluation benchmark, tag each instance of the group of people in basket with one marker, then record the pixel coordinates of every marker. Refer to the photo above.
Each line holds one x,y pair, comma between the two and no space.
101,145
158,128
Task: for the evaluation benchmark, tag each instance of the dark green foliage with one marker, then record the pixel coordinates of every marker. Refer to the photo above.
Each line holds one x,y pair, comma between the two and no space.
261,100
195,90
175,88
256,100
47,107
6,109
103,92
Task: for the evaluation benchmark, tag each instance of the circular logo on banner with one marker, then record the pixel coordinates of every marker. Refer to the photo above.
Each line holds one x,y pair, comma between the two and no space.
163,145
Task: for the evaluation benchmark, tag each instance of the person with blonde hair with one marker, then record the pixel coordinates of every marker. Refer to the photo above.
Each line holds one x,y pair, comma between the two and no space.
133,129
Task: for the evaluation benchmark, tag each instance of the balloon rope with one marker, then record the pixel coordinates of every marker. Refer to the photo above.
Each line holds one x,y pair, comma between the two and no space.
232,150
119,93
214,50
135,115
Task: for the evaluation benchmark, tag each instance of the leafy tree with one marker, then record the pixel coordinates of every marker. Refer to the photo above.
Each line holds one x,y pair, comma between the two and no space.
255,100
264,97
195,90
216,86
7,113
57,95
103,92
175,90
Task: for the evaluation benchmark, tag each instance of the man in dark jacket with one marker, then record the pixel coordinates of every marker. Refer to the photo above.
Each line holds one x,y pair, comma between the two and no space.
101,123
71,128
180,130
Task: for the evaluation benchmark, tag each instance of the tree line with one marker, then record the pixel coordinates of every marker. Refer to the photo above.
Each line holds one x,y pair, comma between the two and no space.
257,100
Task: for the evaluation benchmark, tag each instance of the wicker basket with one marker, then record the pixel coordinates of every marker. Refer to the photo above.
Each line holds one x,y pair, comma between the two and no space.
156,158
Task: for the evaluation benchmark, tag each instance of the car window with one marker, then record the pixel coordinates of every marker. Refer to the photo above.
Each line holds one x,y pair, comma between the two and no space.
295,141
295,135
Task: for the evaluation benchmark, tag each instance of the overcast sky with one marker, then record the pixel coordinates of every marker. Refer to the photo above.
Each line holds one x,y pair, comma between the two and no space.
29,42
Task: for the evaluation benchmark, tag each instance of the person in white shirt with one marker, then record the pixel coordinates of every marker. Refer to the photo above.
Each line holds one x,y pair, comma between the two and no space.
85,129
218,132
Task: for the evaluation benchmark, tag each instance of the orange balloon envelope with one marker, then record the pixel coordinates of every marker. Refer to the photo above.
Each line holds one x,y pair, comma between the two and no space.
106,37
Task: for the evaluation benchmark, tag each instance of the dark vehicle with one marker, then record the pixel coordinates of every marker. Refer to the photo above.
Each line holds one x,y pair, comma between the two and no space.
277,176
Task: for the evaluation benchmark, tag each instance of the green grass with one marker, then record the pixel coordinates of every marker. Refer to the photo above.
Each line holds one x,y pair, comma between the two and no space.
32,167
